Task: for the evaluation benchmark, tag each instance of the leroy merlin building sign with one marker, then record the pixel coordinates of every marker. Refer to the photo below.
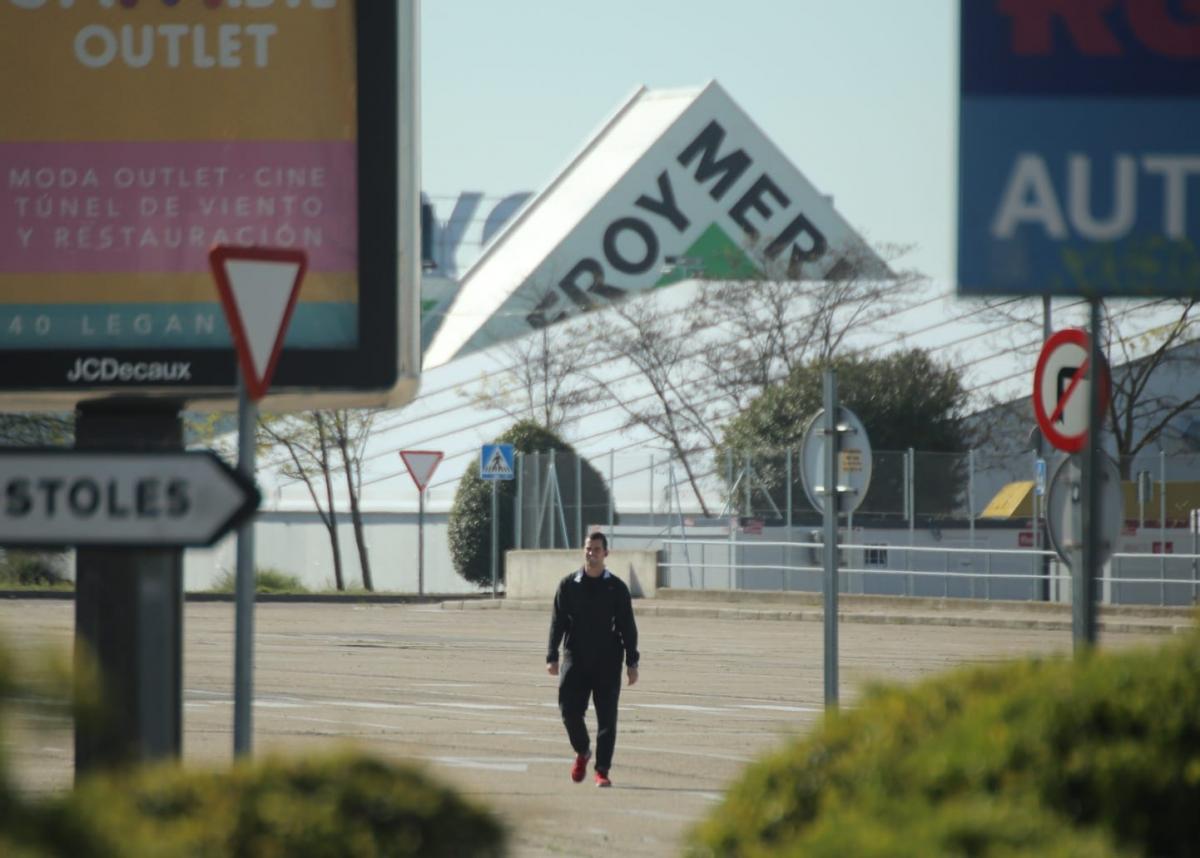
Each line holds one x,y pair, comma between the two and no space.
673,174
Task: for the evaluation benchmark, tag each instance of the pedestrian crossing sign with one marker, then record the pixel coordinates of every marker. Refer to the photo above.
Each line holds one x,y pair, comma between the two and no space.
496,462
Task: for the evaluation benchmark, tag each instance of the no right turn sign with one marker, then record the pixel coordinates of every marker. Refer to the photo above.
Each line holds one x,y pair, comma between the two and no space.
1060,389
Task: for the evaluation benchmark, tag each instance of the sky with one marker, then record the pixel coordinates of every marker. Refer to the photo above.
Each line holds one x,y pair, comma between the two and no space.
861,95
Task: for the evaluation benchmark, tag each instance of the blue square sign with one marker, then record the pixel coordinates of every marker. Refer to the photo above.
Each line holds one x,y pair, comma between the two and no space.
496,462
1079,149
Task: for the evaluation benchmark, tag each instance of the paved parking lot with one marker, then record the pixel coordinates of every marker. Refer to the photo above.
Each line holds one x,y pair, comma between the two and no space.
466,694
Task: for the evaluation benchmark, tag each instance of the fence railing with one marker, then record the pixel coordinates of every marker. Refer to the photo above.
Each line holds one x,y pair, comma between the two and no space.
906,570
562,494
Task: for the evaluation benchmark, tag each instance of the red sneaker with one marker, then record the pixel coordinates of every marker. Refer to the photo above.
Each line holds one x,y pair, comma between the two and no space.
580,768
602,779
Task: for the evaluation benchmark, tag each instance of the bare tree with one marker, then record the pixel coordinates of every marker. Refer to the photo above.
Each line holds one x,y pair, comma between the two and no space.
1140,411
308,440
773,324
36,430
705,358
543,380
658,342
351,429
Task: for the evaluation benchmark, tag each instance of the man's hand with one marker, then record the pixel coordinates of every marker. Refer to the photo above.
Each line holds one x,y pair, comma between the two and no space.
552,668
632,674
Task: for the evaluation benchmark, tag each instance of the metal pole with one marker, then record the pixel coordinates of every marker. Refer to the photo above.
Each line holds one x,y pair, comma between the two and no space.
1040,446
651,490
518,473
421,541
495,543
1036,561
1162,525
578,502
612,489
537,499
1194,520
971,514
788,488
1083,607
747,488
831,538
243,662
910,503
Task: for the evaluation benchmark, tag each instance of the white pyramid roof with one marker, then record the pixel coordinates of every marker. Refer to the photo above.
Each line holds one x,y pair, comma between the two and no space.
671,174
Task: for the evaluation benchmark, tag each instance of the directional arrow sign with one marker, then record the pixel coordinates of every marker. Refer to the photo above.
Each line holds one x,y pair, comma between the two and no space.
122,498
259,287
421,464
1060,389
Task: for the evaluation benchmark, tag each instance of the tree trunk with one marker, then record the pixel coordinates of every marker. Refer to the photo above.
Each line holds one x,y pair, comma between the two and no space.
360,540
338,580
687,467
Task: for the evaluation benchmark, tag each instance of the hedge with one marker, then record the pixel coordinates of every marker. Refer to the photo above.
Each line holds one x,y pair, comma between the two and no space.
469,530
329,805
1093,756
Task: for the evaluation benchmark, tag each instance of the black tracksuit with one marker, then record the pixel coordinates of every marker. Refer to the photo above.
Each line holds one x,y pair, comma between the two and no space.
593,619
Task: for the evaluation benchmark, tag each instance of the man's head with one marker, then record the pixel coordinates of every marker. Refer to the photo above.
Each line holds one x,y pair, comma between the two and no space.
595,549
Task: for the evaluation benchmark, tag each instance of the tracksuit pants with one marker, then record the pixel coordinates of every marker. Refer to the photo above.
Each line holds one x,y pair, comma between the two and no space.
602,683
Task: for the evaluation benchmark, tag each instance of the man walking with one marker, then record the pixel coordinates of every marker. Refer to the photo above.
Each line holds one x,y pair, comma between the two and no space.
593,619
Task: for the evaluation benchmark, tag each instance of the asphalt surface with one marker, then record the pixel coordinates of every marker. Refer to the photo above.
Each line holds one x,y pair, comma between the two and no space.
461,688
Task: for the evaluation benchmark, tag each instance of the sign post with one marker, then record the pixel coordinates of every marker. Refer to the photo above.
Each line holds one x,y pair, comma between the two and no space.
496,463
836,472
421,464
129,603
1071,389
258,288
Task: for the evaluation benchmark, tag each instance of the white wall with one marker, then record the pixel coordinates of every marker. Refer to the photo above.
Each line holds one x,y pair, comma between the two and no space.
298,544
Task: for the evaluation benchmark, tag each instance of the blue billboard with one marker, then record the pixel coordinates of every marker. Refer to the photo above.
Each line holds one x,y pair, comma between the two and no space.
1079,148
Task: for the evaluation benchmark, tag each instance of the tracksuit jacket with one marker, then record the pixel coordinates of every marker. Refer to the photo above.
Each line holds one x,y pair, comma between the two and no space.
593,620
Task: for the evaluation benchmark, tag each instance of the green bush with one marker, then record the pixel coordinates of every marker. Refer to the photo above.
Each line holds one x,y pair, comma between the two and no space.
334,804
469,530
1094,756
32,569
341,804
266,580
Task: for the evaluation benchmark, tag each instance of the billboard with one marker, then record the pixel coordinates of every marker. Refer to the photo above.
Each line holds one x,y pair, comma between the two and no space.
1079,148
138,135
674,175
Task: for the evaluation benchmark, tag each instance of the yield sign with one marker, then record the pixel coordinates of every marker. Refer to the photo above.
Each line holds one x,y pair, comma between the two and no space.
421,465
258,287
1060,389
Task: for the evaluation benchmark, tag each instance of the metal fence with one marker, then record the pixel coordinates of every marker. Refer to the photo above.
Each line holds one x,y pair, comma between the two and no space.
561,493
931,524
890,569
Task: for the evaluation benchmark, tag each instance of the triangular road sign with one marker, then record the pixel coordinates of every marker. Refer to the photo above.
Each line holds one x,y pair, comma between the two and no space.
421,465
497,464
258,287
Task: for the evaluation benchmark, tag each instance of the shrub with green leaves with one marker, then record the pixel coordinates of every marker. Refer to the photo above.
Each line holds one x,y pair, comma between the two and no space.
469,530
267,580
345,804
1096,756
328,805
32,569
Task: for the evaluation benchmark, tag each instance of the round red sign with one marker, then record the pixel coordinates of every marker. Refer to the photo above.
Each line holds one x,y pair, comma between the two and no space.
1060,389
